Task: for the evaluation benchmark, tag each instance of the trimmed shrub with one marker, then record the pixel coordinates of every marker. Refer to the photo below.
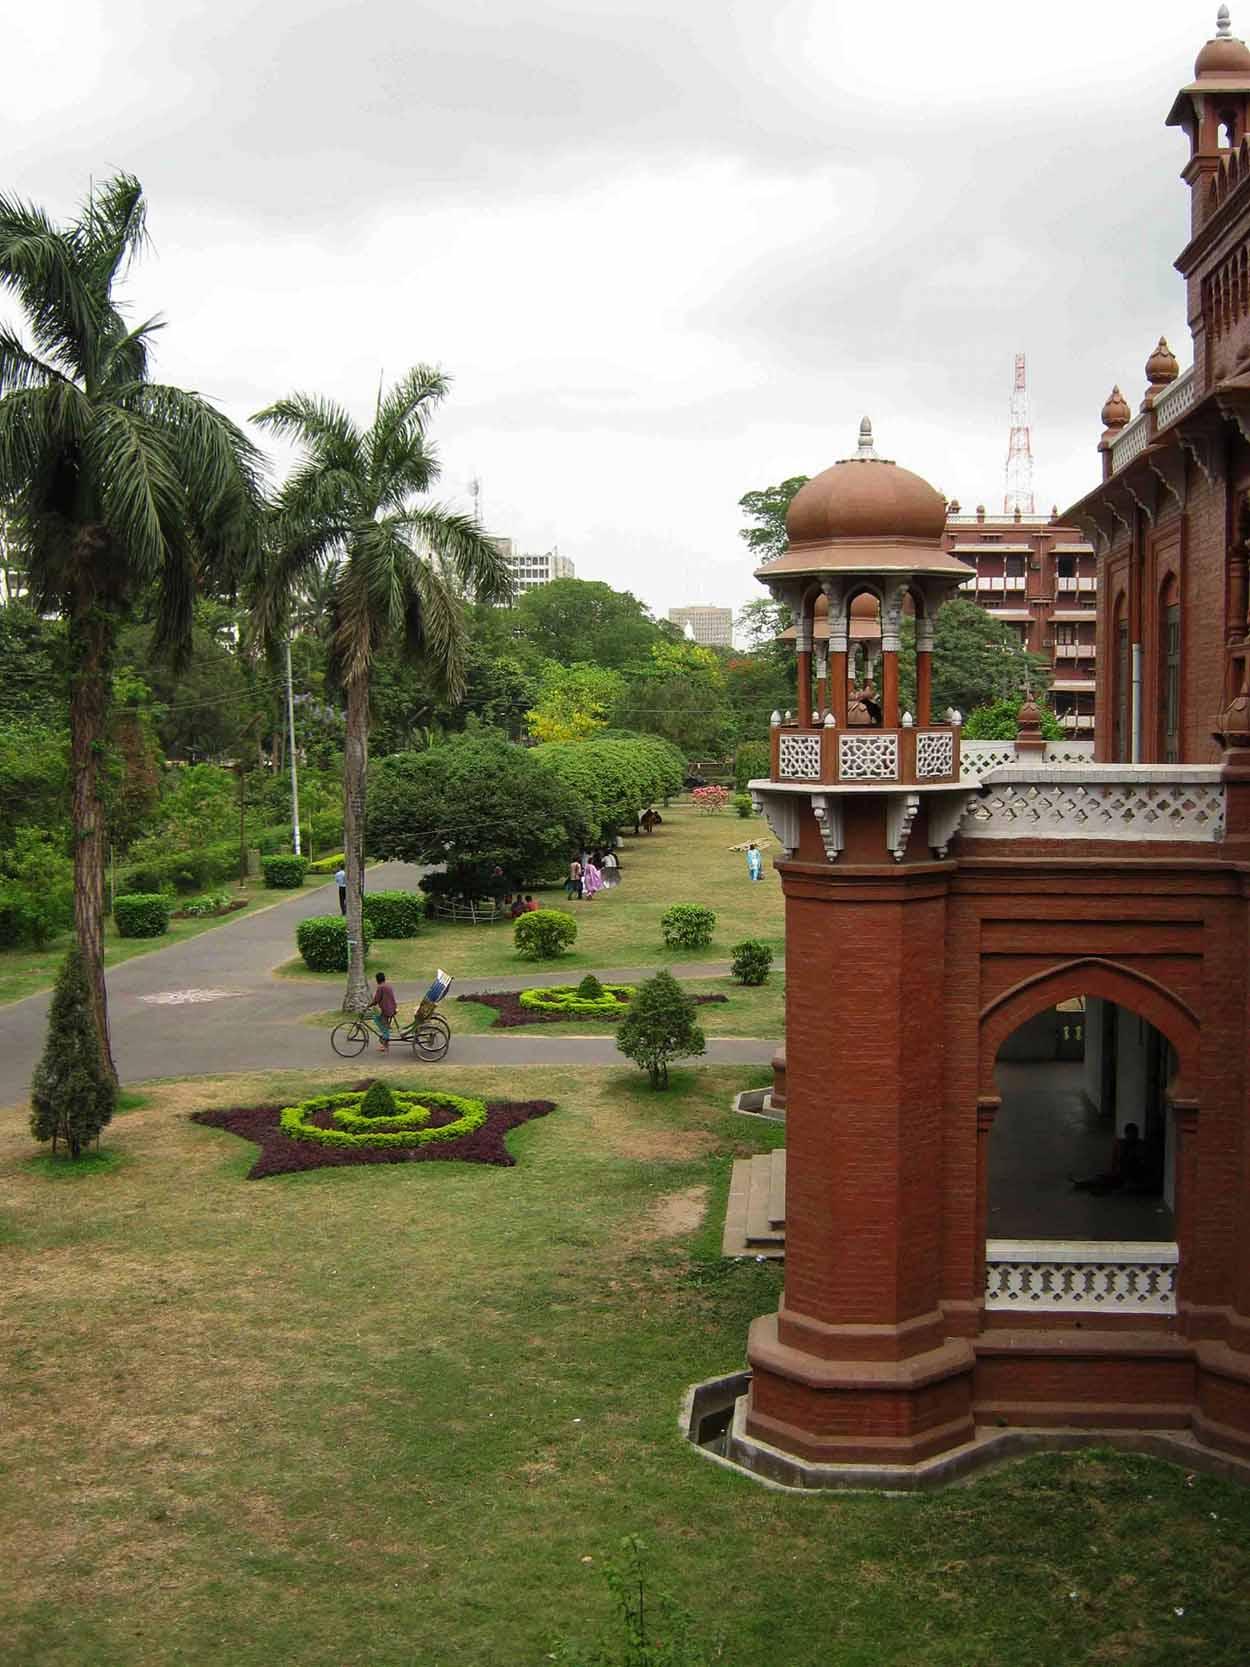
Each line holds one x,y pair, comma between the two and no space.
285,873
141,915
752,762
751,961
544,934
742,804
408,1126
328,865
659,1026
393,914
322,941
590,989
379,1102
688,926
568,1000
72,1096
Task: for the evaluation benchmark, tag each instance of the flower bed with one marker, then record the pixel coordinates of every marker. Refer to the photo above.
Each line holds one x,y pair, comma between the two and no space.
513,1014
325,1131
566,1001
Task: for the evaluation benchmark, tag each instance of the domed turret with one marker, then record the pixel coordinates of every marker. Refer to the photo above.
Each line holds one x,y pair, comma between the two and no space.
1223,54
865,496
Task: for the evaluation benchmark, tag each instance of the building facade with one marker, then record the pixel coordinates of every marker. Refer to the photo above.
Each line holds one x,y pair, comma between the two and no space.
710,627
529,571
951,1295
1041,579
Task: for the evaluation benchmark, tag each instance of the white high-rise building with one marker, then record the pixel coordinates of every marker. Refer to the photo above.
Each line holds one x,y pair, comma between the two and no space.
530,571
711,627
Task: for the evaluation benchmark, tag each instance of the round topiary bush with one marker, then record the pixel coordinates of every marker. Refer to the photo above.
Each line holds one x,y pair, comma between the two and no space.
322,941
393,914
285,873
751,961
688,926
379,1102
141,915
568,1001
742,804
341,1119
544,934
590,989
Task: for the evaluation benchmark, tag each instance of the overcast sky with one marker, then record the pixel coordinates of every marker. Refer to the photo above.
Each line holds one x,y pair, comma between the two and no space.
669,250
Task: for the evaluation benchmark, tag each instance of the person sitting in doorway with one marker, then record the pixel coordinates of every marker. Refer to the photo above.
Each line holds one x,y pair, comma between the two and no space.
1128,1171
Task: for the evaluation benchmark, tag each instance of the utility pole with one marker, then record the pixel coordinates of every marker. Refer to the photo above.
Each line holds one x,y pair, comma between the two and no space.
290,721
1018,498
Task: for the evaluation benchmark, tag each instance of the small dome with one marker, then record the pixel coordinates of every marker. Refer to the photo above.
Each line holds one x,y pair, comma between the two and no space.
1223,54
1115,413
1162,366
866,497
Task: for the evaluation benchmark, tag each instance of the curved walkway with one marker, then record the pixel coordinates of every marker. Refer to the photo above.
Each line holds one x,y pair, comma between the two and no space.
252,1021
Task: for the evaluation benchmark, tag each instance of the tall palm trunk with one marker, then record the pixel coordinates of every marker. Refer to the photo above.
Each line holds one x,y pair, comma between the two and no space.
91,633
355,763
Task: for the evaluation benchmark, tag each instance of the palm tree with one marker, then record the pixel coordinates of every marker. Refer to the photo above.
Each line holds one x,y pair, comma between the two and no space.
114,486
390,565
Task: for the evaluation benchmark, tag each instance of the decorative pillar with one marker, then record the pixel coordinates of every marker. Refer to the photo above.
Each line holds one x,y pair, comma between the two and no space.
803,655
1237,593
924,671
821,652
839,668
891,624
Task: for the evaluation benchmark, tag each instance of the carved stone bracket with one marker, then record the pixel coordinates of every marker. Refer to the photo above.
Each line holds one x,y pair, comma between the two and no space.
946,812
1234,404
900,813
827,809
1168,463
1099,529
782,813
1120,502
1202,436
1140,483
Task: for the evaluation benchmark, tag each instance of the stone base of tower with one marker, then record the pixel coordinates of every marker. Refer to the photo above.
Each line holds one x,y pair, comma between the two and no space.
858,1411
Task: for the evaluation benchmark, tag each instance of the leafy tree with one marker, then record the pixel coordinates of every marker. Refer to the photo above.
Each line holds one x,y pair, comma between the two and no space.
762,621
679,693
356,498
659,1025
573,701
73,1094
32,667
977,660
36,890
116,486
477,803
756,685
34,778
1001,721
616,778
585,622
767,510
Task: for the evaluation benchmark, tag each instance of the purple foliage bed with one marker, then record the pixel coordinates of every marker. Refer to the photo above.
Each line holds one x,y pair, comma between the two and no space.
512,1015
281,1155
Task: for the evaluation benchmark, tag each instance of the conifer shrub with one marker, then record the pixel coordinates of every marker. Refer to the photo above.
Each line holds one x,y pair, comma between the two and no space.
659,1026
393,914
141,915
284,873
688,926
751,961
72,1096
590,989
379,1102
544,934
322,941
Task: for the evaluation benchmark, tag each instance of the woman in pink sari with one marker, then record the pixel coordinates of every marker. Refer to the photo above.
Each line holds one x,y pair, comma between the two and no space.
592,878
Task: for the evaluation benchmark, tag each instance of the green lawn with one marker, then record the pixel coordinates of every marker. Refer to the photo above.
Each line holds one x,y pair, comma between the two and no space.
399,1416
687,860
24,972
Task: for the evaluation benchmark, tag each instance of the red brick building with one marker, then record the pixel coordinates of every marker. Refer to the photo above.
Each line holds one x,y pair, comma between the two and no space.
949,1294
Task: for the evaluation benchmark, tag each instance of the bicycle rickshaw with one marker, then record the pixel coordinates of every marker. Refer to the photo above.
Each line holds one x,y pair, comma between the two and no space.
429,1033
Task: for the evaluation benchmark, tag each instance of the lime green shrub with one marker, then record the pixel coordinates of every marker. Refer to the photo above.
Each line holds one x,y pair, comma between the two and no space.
141,915
409,1126
322,941
569,1002
544,934
688,926
659,1026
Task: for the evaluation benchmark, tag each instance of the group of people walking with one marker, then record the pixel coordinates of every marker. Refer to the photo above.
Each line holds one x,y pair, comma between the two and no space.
592,872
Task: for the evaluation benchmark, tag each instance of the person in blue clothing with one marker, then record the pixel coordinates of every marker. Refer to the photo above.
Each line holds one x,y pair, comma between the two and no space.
755,861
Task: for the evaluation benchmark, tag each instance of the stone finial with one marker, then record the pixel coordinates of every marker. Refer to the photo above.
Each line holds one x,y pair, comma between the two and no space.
776,718
830,721
1115,413
980,512
1223,24
866,451
1029,737
1162,366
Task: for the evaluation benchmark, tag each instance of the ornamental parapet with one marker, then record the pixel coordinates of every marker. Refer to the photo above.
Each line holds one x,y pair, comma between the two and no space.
863,756
1129,803
1048,1276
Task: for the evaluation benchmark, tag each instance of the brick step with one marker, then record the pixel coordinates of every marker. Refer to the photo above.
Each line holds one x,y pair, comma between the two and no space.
748,1231
777,1188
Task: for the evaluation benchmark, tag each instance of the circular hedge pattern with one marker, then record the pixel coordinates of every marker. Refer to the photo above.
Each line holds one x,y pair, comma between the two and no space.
564,1000
423,1117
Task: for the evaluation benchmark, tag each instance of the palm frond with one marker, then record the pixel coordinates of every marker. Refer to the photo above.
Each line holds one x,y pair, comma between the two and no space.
434,627
40,265
115,222
400,460
141,492
20,368
472,556
322,426
125,359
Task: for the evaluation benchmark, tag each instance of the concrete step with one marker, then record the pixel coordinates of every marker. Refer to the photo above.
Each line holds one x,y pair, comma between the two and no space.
748,1193
760,1230
777,1188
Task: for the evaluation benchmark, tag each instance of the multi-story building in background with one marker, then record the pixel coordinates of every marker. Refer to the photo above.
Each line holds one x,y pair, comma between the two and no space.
529,571
1042,580
712,627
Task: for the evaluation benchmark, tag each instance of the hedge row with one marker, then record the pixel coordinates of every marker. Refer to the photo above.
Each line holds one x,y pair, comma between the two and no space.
409,1128
209,865
284,873
322,941
393,914
141,915
565,1000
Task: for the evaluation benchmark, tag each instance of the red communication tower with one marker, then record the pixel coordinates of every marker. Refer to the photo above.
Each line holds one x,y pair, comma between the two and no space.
1019,493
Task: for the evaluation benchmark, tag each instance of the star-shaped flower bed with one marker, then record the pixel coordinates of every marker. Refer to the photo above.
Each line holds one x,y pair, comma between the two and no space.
321,1145
513,1014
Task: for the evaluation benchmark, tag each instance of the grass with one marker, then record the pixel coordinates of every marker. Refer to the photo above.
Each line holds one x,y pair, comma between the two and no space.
687,860
25,972
402,1415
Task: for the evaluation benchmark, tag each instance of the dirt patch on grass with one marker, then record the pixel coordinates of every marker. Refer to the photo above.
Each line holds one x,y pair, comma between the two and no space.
678,1213
673,1145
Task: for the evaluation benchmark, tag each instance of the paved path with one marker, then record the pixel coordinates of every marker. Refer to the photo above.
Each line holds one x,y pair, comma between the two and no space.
254,1023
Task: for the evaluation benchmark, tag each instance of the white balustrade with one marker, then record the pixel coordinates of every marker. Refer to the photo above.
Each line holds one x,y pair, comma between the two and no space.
1131,803
1037,1276
868,756
800,757
1133,441
1178,399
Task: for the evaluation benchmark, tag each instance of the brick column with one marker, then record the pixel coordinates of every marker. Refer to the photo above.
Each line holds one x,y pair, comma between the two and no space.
855,1366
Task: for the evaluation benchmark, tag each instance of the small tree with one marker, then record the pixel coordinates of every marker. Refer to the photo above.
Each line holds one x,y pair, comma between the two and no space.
659,1026
72,1095
543,934
1001,719
751,961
